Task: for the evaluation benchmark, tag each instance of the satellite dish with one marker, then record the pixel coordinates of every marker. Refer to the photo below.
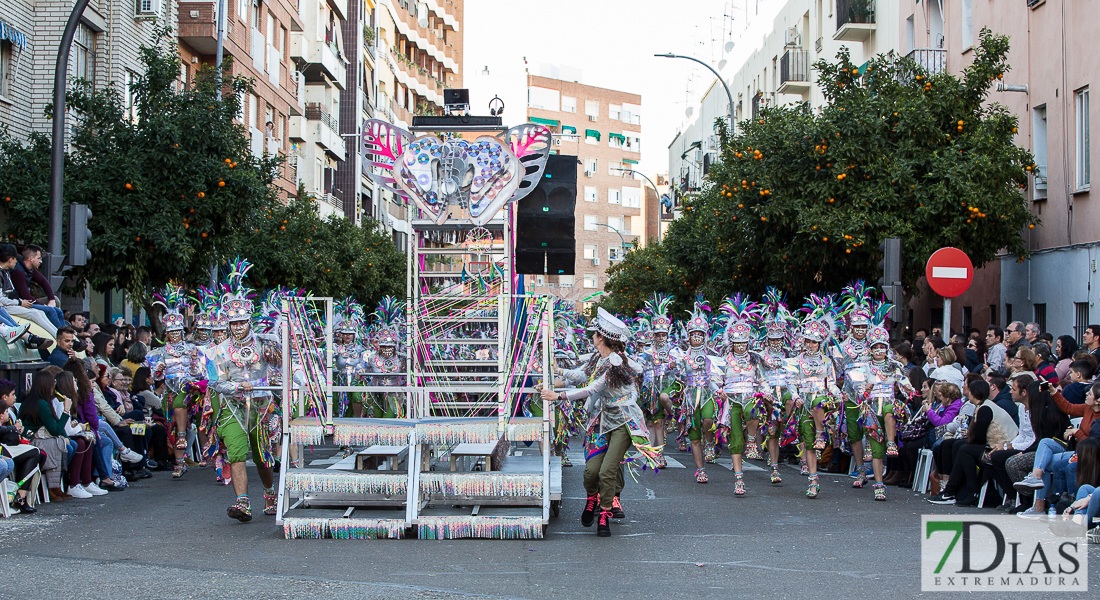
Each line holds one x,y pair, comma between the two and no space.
728,46
721,64
690,109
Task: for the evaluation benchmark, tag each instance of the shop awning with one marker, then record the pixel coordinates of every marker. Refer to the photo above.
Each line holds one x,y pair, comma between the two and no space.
619,136
630,161
547,122
592,133
569,129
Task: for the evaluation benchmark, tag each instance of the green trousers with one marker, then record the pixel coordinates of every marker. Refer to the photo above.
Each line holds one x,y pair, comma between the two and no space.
737,428
704,412
237,441
602,473
856,433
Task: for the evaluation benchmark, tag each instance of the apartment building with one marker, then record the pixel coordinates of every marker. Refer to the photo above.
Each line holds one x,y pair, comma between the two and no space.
602,128
1048,89
258,38
418,48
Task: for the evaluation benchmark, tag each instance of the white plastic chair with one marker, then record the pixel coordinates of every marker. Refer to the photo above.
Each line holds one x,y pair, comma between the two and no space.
923,470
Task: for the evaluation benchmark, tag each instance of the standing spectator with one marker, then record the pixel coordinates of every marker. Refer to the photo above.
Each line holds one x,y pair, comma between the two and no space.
1091,338
25,273
10,301
78,322
1031,333
1014,335
121,349
144,335
904,352
994,339
945,367
1064,347
975,354
135,357
104,346
64,350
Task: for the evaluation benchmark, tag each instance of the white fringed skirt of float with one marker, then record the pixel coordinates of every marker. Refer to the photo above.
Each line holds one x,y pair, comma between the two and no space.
468,458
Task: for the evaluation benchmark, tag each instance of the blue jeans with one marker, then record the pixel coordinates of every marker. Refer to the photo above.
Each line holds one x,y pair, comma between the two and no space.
1053,459
6,319
69,455
1093,509
54,314
103,454
106,429
7,465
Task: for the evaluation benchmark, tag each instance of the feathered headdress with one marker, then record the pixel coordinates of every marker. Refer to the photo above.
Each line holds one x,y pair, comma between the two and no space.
699,320
206,301
271,308
237,299
879,334
778,320
174,302
855,303
819,321
743,317
656,312
389,322
349,316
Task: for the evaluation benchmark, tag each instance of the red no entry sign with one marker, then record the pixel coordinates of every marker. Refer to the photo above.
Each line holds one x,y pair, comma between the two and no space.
949,272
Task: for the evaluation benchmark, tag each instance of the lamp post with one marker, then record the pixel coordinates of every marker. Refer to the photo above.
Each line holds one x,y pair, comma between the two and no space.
622,240
729,96
632,172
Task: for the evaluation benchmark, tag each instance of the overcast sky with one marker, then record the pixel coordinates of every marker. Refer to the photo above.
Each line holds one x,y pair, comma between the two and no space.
612,42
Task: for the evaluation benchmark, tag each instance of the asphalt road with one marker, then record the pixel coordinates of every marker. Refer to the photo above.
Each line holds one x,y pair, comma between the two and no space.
172,539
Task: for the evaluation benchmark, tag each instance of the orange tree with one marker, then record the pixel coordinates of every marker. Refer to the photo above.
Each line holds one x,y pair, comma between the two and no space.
801,200
171,185
641,272
290,245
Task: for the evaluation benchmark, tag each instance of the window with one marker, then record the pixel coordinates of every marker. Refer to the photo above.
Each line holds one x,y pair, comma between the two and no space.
967,24
615,112
968,319
1040,311
566,280
910,34
592,108
568,104
591,251
1008,314
614,196
591,222
1039,150
591,167
147,7
992,314
937,317
242,9
614,223
84,53
1081,101
5,67
632,113
591,194
544,98
632,197
614,167
1080,320
590,280
540,280
614,253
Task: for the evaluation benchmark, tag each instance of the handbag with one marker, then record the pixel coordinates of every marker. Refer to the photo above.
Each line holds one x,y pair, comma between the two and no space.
915,429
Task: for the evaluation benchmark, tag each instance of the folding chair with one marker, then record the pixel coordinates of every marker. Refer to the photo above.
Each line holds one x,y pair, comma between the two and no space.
923,470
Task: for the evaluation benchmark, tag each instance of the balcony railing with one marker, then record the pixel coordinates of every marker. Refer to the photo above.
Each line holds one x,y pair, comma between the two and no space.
854,11
794,66
315,112
933,60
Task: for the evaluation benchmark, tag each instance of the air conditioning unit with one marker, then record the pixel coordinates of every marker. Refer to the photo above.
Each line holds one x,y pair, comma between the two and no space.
595,261
712,142
592,118
557,141
147,8
588,173
792,38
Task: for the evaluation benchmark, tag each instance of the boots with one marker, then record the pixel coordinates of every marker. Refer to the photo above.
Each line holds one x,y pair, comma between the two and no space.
603,529
590,506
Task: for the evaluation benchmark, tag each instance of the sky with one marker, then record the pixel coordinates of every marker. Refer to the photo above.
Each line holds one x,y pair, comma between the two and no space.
612,43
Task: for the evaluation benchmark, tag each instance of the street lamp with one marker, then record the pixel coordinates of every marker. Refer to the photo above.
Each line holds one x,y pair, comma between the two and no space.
622,240
631,172
729,96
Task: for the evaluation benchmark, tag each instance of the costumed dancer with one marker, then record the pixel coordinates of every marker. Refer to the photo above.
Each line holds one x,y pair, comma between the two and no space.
615,422
813,383
850,358
659,363
699,373
774,355
348,353
243,362
387,365
177,364
879,414
742,381
212,449
569,418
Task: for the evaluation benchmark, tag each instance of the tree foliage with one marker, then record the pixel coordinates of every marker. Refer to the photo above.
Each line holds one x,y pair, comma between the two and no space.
802,200
290,245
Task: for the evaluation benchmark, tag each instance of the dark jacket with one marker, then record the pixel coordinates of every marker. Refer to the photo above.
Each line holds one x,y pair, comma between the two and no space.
21,278
1004,400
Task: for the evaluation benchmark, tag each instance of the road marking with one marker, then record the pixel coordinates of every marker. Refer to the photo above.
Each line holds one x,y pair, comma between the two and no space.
949,272
649,495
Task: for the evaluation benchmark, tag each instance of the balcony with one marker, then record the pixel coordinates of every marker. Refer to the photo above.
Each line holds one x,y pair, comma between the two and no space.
318,60
933,60
324,130
855,20
198,26
794,72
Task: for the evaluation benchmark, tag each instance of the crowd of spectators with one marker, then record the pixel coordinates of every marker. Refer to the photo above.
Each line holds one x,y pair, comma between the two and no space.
1013,412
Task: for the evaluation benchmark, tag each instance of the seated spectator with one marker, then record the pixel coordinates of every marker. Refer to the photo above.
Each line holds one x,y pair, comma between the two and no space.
1021,360
153,402
1087,506
110,421
23,458
1091,341
122,348
88,414
1052,457
1080,378
46,430
104,346
1029,414
132,412
945,367
12,305
1045,369
1064,347
78,321
81,439
961,358
991,427
975,350
61,354
940,405
135,357
25,273
995,353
